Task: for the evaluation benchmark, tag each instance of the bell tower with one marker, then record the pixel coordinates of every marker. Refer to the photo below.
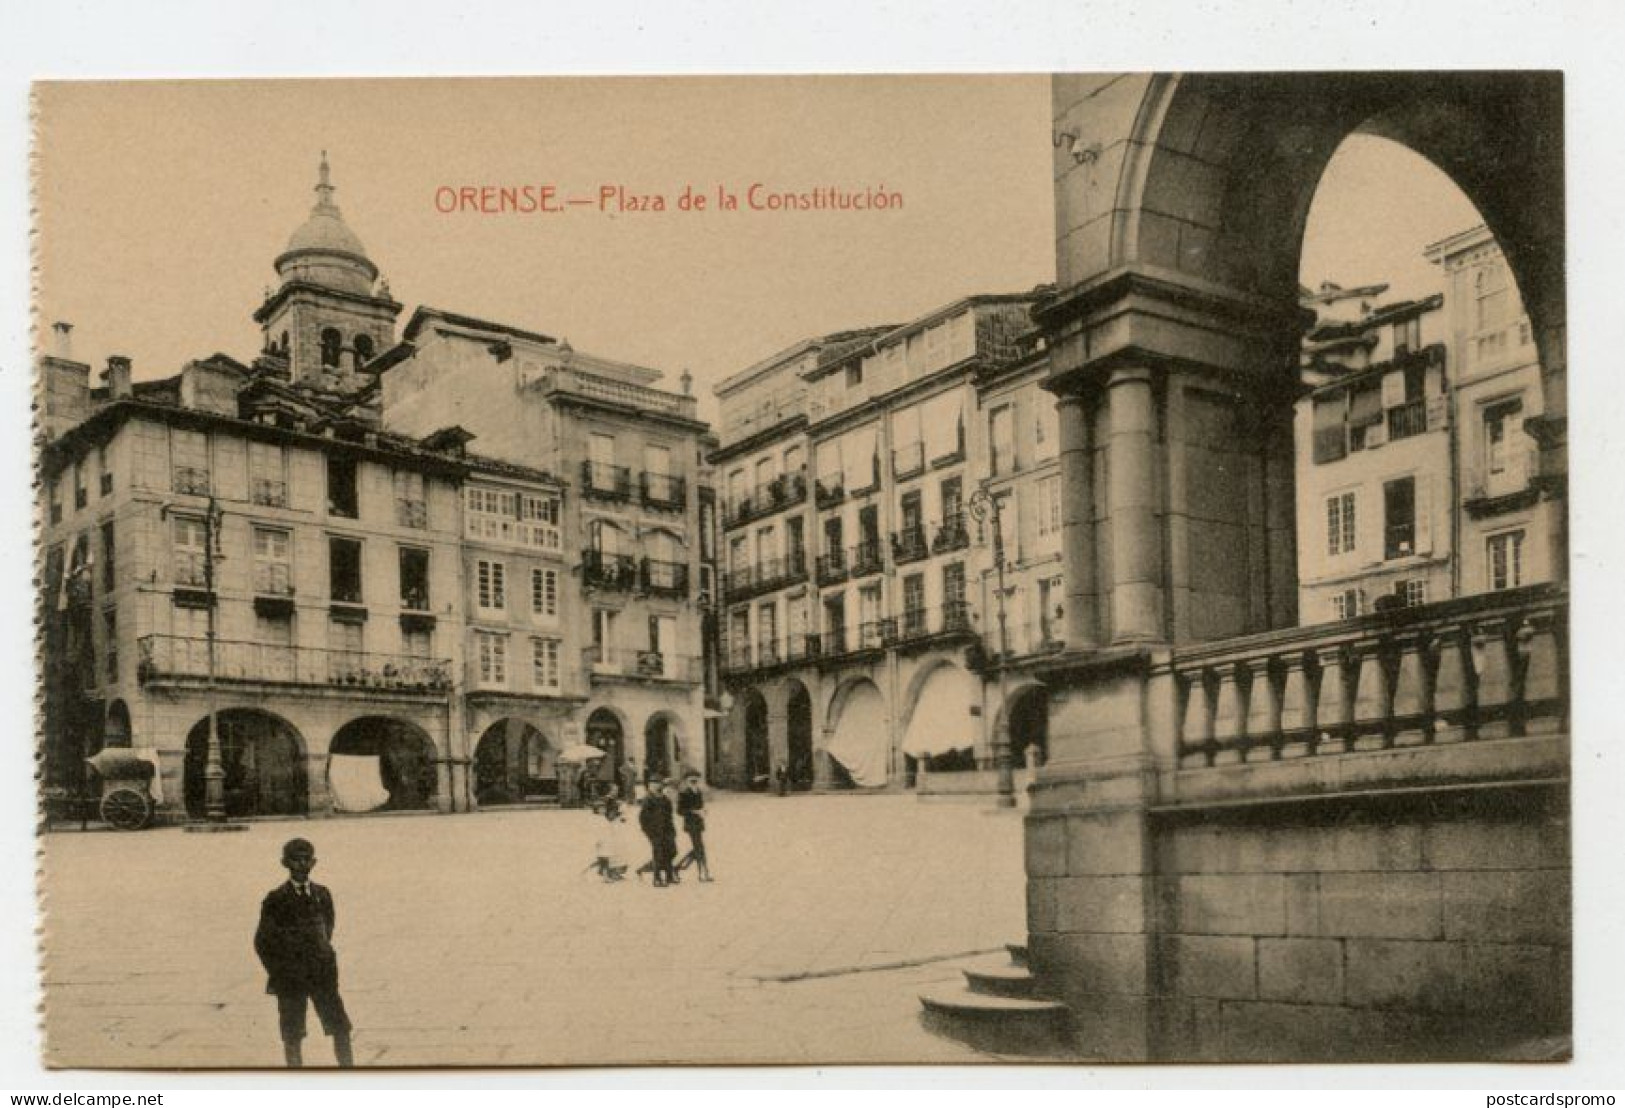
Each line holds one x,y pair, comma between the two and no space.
331,314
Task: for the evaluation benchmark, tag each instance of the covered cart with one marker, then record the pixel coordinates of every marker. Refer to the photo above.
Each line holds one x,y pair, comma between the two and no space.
126,787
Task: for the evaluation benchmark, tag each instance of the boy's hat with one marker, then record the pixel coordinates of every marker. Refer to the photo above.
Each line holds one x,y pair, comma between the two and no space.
294,847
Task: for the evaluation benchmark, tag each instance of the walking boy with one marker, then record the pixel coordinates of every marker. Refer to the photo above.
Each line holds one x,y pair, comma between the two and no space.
691,806
295,945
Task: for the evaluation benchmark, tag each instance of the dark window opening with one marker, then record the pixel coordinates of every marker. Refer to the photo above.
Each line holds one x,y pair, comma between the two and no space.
344,570
331,343
1399,518
363,350
414,579
341,487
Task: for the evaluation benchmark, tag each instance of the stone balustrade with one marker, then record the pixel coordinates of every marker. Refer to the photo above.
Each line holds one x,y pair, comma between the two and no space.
1483,667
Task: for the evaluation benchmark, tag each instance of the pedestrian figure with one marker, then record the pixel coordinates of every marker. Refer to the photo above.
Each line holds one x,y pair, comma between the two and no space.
691,806
629,782
295,945
655,819
782,776
611,861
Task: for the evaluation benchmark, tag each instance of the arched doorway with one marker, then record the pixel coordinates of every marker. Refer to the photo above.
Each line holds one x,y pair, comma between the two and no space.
663,745
861,743
758,751
1028,720
800,737
264,762
377,763
514,764
117,731
604,731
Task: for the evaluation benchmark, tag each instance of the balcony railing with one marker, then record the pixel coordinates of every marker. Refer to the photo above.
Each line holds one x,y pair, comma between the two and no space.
190,479
951,621
412,513
1483,667
646,665
951,534
827,495
606,482
609,571
766,575
173,657
663,491
866,557
765,499
665,578
908,545
269,492
832,567
1410,418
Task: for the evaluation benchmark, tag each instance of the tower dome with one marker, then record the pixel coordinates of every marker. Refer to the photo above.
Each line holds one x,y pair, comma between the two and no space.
323,250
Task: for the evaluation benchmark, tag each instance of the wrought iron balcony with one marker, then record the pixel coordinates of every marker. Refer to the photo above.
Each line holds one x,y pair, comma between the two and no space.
832,567
165,658
781,492
951,534
952,621
1410,418
664,492
190,479
866,557
766,575
830,494
269,492
412,513
908,545
603,481
641,665
665,578
609,571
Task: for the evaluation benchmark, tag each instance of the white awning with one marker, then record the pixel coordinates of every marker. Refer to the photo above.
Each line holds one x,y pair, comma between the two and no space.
943,416
860,742
356,783
858,456
946,716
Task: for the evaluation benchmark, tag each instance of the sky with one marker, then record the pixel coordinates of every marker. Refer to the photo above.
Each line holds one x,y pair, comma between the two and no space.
161,206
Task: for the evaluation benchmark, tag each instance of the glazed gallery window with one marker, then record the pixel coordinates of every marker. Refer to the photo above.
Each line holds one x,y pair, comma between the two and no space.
490,515
1347,604
491,586
544,592
544,664
539,522
492,652
1504,555
344,570
1340,532
273,568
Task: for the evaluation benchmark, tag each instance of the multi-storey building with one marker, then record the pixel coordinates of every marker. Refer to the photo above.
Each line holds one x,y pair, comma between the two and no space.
318,552
1508,522
857,601
631,637
308,552
1416,482
1374,446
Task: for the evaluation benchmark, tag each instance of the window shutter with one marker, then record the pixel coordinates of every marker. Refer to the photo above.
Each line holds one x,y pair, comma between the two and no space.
1424,514
1393,389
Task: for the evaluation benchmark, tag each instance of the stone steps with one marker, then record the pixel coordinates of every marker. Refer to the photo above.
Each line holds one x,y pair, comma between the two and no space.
1002,1010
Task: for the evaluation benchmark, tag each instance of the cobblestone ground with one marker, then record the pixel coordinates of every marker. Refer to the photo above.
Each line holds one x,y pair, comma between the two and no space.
476,940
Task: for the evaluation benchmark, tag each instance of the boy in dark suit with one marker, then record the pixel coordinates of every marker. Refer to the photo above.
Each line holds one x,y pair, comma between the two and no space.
295,945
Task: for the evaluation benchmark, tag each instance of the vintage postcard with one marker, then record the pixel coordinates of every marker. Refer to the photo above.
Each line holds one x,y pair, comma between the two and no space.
803,570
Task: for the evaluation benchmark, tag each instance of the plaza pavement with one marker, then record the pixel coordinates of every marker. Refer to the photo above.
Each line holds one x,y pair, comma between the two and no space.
476,939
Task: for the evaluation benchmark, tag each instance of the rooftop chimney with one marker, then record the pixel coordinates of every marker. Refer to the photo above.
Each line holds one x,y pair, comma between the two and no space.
62,340
118,377
688,382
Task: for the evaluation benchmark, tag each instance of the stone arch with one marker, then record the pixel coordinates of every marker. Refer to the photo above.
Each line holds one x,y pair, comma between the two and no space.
381,762
748,724
514,763
664,744
263,757
607,729
945,687
116,730
1024,716
859,733
799,746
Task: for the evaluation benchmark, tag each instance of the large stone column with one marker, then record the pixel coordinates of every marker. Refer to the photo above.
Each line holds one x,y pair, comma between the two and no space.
1078,524
1133,499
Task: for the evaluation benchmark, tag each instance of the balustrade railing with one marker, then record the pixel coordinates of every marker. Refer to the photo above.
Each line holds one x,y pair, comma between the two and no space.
269,492
1478,668
190,479
605,481
653,665
165,657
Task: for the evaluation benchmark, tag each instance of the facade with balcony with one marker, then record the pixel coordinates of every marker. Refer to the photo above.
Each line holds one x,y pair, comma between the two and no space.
1416,480
631,572
227,539
857,608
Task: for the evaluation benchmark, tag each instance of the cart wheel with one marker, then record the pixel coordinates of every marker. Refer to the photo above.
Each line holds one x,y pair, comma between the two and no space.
126,809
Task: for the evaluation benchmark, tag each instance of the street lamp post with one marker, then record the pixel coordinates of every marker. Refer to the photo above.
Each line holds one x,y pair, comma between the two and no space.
214,770
984,506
